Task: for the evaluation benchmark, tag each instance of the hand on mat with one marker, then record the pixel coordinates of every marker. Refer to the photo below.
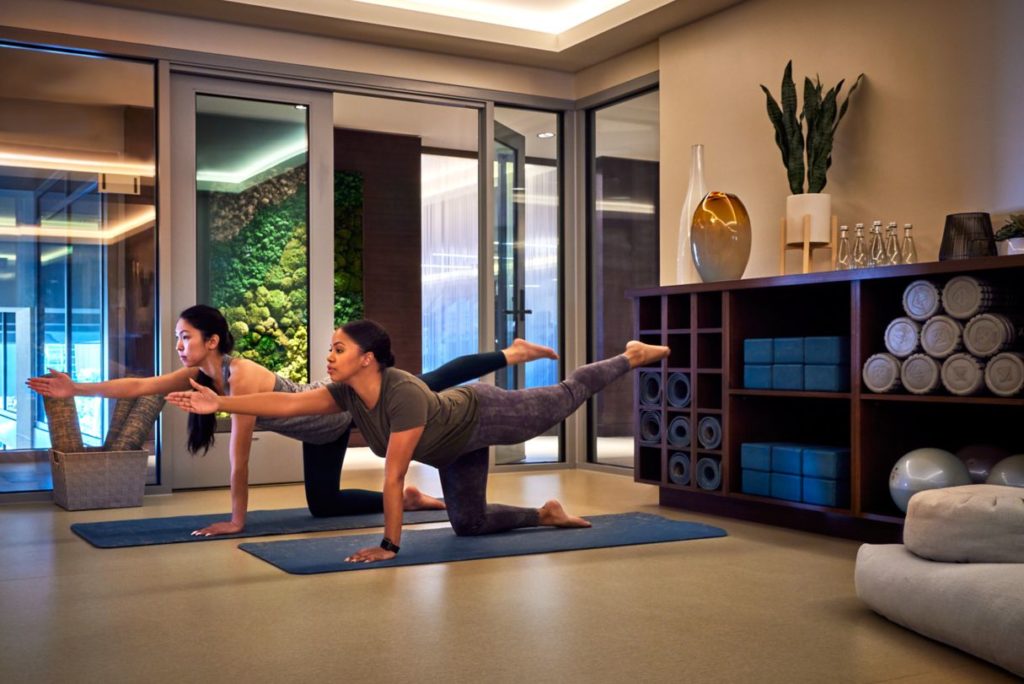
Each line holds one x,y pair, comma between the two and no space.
202,400
370,555
218,528
56,384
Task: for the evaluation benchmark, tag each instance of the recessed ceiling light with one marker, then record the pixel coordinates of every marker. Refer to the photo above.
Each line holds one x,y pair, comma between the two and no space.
545,134
300,106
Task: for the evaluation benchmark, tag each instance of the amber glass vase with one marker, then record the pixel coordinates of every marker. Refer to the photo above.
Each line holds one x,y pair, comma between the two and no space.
720,237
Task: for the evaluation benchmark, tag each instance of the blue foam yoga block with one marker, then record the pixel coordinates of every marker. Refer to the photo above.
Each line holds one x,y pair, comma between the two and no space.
788,350
757,482
785,486
758,350
756,456
788,376
786,458
756,376
832,463
824,350
826,492
827,378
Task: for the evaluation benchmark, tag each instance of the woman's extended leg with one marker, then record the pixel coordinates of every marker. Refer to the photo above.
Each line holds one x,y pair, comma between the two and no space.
472,366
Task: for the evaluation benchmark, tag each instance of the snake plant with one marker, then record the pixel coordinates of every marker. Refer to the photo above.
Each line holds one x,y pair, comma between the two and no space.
821,115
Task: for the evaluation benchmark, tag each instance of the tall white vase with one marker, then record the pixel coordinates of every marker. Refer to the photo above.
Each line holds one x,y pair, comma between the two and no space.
695,192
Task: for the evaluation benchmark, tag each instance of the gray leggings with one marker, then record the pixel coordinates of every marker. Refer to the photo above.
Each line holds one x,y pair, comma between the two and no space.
511,417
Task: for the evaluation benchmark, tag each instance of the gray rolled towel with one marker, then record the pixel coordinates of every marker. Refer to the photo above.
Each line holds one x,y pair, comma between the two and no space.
62,417
138,424
122,409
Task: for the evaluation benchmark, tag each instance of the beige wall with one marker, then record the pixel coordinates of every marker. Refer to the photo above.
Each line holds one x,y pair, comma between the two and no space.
937,127
111,23
621,69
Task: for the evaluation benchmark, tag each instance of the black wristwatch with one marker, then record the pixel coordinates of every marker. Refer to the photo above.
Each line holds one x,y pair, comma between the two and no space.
388,545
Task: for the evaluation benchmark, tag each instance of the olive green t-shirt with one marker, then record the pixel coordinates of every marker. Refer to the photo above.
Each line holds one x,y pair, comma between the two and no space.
405,403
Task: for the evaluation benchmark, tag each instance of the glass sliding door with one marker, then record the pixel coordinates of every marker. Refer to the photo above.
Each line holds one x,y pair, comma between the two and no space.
252,237
77,242
623,250
526,272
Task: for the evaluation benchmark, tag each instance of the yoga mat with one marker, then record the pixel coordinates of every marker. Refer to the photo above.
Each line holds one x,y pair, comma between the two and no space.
327,554
149,531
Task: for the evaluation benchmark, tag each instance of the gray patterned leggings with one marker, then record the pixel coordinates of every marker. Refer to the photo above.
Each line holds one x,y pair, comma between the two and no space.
511,417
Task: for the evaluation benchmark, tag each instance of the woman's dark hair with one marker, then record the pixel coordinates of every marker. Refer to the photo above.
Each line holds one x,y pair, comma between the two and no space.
209,322
371,337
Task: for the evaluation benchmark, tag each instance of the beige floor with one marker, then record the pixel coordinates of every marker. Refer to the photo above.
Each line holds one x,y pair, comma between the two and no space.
762,605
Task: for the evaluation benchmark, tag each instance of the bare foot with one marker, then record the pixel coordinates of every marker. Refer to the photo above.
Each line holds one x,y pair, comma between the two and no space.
640,354
415,500
554,515
522,351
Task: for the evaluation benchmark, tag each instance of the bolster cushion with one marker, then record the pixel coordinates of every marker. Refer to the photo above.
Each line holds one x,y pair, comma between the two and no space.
968,524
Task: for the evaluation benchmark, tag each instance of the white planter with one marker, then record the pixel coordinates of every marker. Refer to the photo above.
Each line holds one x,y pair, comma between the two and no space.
1011,246
817,205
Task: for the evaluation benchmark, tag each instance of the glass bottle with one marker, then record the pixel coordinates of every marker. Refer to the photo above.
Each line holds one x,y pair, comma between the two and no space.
858,252
695,192
876,248
908,253
843,250
892,244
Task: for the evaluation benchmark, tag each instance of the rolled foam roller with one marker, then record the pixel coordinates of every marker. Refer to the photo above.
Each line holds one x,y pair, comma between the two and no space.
138,424
650,426
709,473
679,468
62,417
709,432
650,387
122,409
679,432
678,391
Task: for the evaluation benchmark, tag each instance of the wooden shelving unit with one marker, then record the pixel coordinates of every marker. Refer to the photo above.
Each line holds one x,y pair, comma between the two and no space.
705,324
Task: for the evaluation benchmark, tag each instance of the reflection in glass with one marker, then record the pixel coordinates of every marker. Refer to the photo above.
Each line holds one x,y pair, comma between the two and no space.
526,224
252,214
624,253
77,241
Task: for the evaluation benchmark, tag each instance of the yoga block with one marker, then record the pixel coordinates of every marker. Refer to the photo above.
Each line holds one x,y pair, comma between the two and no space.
756,456
788,350
758,350
827,378
94,478
788,376
756,376
832,463
786,458
785,486
824,492
827,350
757,482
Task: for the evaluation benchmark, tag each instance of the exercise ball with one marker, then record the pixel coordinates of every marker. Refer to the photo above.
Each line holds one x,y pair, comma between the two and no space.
923,469
979,459
1009,472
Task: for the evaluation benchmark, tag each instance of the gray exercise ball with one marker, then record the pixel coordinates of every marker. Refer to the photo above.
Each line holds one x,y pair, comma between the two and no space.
923,469
1009,472
979,459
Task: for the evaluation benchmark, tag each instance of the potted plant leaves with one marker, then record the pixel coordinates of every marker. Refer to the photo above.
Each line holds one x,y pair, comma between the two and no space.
1012,234
805,141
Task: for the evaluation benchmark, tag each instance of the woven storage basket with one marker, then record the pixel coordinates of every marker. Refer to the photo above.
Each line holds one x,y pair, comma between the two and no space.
95,478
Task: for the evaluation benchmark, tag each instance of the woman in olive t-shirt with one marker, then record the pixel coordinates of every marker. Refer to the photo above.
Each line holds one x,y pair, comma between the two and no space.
403,420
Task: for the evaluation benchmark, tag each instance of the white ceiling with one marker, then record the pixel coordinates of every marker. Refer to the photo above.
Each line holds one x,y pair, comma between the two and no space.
566,35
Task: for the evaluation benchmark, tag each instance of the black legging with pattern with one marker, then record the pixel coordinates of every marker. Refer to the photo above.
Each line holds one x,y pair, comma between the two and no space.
321,463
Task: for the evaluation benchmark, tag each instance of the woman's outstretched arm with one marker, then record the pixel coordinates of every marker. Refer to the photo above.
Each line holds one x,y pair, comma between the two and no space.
269,404
60,385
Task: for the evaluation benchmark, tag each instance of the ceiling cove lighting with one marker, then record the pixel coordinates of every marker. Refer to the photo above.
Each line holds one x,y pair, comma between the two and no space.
57,163
557,18
83,230
268,161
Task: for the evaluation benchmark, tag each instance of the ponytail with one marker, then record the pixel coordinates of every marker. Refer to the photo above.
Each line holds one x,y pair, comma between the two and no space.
201,427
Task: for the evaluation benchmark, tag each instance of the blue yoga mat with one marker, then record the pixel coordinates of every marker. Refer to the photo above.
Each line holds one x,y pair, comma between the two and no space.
327,554
150,531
